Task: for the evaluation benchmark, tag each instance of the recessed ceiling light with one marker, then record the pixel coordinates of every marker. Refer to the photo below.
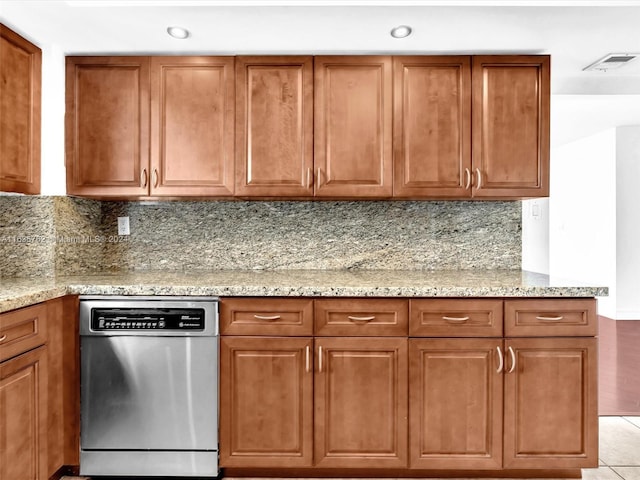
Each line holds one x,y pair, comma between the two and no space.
401,31
178,32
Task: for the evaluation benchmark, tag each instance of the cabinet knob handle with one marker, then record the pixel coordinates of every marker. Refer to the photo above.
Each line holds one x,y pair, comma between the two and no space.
455,319
267,317
467,175
145,177
550,319
500,361
361,319
513,360
155,178
479,184
2,338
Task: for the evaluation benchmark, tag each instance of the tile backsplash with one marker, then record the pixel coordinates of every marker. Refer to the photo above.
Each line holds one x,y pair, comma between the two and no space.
80,236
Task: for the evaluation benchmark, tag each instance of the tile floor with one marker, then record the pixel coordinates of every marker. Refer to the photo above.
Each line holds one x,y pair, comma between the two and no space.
619,451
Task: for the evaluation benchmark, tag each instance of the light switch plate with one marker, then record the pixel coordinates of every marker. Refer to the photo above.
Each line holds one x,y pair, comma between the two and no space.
123,226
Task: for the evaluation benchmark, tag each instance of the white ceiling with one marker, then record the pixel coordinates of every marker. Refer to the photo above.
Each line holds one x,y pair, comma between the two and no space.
575,33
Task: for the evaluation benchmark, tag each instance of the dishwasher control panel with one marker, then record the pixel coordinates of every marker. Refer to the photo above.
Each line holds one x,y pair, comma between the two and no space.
188,319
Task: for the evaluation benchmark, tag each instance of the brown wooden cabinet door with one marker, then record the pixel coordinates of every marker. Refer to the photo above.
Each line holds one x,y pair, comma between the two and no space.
432,126
274,129
511,126
23,416
455,403
550,409
352,126
107,126
266,402
20,81
361,402
192,122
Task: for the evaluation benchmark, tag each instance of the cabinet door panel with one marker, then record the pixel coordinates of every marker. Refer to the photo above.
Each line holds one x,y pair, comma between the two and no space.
353,122
266,402
23,419
274,130
360,402
107,126
455,402
192,118
20,81
511,125
551,418
432,126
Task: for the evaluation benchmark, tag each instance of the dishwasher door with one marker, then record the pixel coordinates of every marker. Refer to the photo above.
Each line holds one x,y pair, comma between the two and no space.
149,393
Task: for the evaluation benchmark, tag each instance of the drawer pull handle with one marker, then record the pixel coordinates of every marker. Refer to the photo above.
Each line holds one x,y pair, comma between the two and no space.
513,360
267,317
307,360
455,319
320,359
361,319
550,319
2,338
500,360
467,174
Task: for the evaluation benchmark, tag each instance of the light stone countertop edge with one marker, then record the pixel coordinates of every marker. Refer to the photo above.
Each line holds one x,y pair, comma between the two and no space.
21,292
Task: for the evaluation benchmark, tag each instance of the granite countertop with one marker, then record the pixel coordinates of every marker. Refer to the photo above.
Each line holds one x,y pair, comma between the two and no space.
21,292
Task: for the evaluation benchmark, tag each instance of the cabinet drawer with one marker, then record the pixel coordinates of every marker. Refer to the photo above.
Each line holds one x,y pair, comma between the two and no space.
456,318
550,318
354,317
266,316
22,330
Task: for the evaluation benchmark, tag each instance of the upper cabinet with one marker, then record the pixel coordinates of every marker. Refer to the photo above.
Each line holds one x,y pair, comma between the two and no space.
314,126
274,126
141,126
511,126
362,126
432,126
471,126
352,128
20,81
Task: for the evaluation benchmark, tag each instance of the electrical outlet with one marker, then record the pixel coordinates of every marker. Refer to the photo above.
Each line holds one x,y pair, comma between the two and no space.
123,226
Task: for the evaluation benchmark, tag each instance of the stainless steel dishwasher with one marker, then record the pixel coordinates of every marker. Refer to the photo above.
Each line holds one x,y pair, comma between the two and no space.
149,386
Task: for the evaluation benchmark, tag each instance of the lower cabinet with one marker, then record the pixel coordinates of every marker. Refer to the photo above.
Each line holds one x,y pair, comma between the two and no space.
39,386
458,411
23,416
455,402
266,402
446,390
550,407
360,402
269,391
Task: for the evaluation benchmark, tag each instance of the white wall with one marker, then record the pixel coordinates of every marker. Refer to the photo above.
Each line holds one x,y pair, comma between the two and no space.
53,106
628,223
582,214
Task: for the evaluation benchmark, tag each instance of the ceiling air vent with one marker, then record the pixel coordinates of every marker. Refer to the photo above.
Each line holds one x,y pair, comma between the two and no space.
612,61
